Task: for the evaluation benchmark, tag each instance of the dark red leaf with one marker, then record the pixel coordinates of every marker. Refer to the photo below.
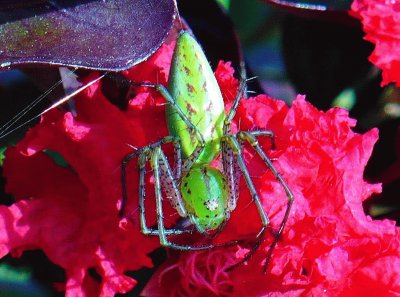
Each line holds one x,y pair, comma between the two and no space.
102,35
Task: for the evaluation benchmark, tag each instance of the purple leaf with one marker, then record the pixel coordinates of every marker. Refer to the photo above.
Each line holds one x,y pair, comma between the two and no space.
328,10
102,35
313,5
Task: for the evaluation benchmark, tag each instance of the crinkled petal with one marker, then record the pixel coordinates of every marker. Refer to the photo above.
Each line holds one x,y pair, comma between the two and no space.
380,20
329,245
72,213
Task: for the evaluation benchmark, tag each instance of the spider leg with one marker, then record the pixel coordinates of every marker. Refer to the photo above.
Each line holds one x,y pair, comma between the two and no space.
234,144
163,175
232,112
267,133
177,172
250,137
230,167
232,175
143,156
188,162
124,164
156,156
146,150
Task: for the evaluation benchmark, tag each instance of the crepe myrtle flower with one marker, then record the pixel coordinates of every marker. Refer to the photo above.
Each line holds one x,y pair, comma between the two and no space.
381,23
329,247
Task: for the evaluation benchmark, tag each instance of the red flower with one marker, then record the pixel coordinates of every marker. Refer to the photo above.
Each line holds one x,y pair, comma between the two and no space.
71,213
381,23
329,247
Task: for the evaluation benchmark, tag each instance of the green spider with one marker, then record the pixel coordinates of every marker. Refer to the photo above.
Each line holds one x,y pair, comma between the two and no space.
197,191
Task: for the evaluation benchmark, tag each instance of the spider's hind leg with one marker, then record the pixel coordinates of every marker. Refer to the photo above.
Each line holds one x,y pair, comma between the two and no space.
234,145
250,137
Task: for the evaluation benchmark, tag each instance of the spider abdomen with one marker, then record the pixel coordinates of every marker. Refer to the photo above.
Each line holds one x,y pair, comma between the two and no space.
205,196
